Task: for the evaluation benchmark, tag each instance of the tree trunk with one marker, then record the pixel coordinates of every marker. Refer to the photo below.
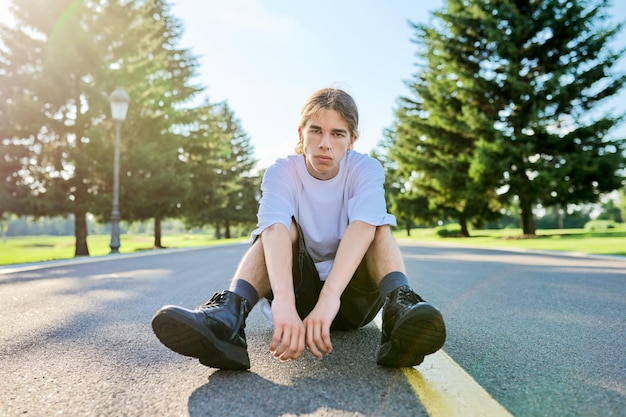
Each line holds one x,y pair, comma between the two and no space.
227,229
80,232
463,224
527,219
408,228
559,216
218,232
4,232
157,232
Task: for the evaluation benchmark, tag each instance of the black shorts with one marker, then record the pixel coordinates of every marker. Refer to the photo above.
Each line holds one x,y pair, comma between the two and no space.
360,301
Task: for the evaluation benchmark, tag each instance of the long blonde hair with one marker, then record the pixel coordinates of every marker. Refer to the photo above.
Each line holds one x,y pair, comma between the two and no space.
333,99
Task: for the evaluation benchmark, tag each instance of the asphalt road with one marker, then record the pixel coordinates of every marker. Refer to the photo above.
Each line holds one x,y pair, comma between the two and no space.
544,334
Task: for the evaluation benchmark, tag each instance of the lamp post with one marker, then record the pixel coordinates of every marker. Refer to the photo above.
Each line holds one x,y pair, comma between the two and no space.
119,106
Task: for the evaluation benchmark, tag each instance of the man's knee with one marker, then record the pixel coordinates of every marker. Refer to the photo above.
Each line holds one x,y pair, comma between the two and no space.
383,239
383,231
383,255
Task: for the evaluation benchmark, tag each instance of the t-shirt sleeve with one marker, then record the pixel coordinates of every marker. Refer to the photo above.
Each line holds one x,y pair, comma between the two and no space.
278,197
366,201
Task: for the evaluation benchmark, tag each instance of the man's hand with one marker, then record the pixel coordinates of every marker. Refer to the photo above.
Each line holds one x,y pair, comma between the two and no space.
355,241
288,340
318,323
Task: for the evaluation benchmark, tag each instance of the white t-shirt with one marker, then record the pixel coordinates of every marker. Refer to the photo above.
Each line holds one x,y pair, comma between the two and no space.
323,208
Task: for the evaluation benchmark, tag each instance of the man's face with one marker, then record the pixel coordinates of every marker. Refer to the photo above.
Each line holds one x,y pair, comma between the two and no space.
325,140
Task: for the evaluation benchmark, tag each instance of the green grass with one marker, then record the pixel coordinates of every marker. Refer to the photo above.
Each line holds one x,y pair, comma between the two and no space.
18,250
26,249
605,242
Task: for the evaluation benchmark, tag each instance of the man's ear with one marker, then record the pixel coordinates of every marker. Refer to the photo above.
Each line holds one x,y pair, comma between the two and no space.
354,138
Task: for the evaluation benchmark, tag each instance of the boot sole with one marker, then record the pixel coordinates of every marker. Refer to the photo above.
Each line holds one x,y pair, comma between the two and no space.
419,332
183,335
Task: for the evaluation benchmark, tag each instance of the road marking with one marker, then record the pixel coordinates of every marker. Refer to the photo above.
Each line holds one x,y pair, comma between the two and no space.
446,390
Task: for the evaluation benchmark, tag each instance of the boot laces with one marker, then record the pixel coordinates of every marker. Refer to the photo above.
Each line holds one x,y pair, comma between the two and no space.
221,299
217,300
408,297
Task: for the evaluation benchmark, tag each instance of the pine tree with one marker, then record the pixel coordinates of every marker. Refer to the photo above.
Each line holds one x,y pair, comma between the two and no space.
433,133
51,71
220,160
240,184
406,205
58,66
158,77
509,103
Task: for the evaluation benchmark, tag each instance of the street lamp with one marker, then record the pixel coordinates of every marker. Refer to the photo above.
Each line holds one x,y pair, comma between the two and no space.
119,106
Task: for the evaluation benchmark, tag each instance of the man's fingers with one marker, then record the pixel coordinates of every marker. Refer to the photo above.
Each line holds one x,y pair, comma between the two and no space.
298,346
326,339
276,338
294,347
318,339
287,343
284,343
310,341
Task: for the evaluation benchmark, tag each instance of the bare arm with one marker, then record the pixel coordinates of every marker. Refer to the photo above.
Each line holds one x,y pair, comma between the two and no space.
288,339
354,244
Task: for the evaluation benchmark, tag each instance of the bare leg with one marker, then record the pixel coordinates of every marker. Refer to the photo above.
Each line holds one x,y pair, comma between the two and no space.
252,269
364,295
252,266
214,332
411,328
383,255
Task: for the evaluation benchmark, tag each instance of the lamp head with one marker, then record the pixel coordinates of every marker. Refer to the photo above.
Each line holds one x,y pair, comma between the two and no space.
119,100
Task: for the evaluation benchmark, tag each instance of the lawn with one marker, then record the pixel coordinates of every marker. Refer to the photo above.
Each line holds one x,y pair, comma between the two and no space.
606,242
26,249
19,250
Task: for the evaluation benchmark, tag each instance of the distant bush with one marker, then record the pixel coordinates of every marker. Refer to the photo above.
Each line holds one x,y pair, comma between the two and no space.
600,225
449,230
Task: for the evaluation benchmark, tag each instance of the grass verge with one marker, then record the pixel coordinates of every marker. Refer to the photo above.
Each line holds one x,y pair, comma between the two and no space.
27,249
605,242
19,250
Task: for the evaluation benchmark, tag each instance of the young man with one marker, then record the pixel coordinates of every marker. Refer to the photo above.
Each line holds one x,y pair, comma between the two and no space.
323,255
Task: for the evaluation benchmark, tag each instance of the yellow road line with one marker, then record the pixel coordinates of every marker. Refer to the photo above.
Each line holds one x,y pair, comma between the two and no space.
446,390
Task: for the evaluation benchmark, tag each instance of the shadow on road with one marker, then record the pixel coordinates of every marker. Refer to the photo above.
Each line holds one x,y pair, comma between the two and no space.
346,383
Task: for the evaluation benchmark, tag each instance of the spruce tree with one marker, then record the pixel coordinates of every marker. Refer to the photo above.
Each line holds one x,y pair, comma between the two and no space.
240,185
407,206
508,102
220,160
154,180
51,73
58,66
433,138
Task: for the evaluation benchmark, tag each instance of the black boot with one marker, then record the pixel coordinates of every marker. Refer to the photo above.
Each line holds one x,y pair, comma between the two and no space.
412,329
213,332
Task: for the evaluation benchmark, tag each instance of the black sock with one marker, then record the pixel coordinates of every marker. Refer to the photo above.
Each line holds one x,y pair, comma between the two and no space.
246,290
392,281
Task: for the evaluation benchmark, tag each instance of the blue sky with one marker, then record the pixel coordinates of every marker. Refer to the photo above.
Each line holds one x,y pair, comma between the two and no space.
265,57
